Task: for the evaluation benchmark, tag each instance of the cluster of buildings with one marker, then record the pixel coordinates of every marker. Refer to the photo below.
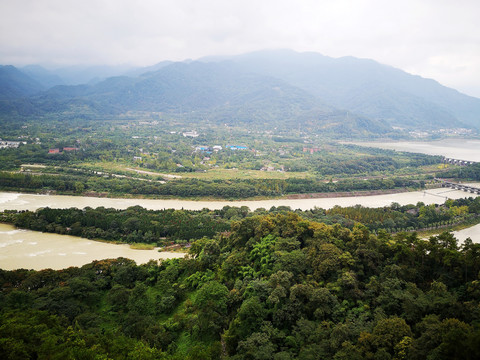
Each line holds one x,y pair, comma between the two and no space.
311,150
236,147
58,151
443,132
192,134
4,144
210,149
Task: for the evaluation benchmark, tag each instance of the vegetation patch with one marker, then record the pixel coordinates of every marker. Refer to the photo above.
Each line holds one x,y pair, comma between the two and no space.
140,246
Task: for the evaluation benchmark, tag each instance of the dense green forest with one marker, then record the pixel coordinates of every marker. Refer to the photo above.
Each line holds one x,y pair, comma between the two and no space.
470,172
79,184
271,287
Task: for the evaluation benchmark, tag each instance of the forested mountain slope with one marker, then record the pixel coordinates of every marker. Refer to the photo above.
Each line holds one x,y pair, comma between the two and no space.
15,84
367,87
272,87
217,92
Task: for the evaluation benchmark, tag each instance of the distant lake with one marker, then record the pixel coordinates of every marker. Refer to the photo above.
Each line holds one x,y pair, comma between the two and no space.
461,149
29,249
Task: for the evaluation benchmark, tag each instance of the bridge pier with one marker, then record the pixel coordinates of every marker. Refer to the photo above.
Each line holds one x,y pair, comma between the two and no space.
458,161
456,186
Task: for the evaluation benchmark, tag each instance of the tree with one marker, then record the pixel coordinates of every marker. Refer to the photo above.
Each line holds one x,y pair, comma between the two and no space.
210,306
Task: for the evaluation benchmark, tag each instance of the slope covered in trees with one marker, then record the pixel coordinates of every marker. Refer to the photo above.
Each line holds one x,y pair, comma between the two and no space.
367,87
272,287
197,91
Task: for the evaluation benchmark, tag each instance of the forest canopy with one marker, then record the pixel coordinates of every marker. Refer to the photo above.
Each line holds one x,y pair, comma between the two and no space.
273,286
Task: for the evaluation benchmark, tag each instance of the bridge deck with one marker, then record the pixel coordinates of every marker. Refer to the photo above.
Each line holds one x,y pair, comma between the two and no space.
457,186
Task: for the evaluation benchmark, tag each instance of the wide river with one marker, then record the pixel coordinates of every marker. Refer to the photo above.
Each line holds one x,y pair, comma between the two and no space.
461,149
17,201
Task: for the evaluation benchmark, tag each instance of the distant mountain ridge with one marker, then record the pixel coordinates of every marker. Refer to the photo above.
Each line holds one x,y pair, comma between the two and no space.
218,92
345,95
15,84
367,87
43,76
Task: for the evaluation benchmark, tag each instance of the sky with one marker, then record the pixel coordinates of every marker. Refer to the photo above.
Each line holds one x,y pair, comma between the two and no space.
438,39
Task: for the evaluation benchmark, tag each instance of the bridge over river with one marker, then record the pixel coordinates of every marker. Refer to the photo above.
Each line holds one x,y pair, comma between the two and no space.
456,186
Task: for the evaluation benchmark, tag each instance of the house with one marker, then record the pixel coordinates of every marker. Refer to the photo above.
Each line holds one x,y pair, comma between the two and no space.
267,168
202,148
70,149
236,147
193,134
312,150
54,151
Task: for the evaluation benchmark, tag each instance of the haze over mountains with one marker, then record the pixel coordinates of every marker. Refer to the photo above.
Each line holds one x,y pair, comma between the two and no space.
280,87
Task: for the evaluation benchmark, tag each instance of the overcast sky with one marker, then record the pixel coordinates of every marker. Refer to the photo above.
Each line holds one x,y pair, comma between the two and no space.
438,39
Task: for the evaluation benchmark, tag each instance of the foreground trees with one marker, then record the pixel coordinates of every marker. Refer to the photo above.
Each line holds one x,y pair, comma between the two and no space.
273,287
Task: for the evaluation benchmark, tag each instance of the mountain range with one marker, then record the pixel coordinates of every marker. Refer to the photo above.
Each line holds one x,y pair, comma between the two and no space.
270,88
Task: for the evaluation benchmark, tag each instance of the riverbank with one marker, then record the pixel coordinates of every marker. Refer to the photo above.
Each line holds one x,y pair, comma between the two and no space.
330,195
459,230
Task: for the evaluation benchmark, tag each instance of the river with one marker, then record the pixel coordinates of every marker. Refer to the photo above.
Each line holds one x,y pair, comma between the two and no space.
17,201
36,250
472,232
461,149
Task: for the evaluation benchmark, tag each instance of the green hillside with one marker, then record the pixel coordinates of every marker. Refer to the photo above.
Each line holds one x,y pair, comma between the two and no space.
273,287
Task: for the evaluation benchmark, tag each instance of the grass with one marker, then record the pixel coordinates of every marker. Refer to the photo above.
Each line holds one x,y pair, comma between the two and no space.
124,169
140,246
228,174
212,174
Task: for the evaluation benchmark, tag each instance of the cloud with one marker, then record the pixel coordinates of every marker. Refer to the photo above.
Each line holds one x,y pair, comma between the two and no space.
438,39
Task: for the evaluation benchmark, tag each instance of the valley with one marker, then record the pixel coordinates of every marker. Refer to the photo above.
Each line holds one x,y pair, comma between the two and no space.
283,201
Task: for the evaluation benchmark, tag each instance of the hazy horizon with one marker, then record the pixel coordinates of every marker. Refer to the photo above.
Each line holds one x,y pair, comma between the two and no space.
434,39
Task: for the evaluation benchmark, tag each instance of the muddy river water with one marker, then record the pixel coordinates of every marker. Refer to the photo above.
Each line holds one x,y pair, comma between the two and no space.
36,250
16,201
